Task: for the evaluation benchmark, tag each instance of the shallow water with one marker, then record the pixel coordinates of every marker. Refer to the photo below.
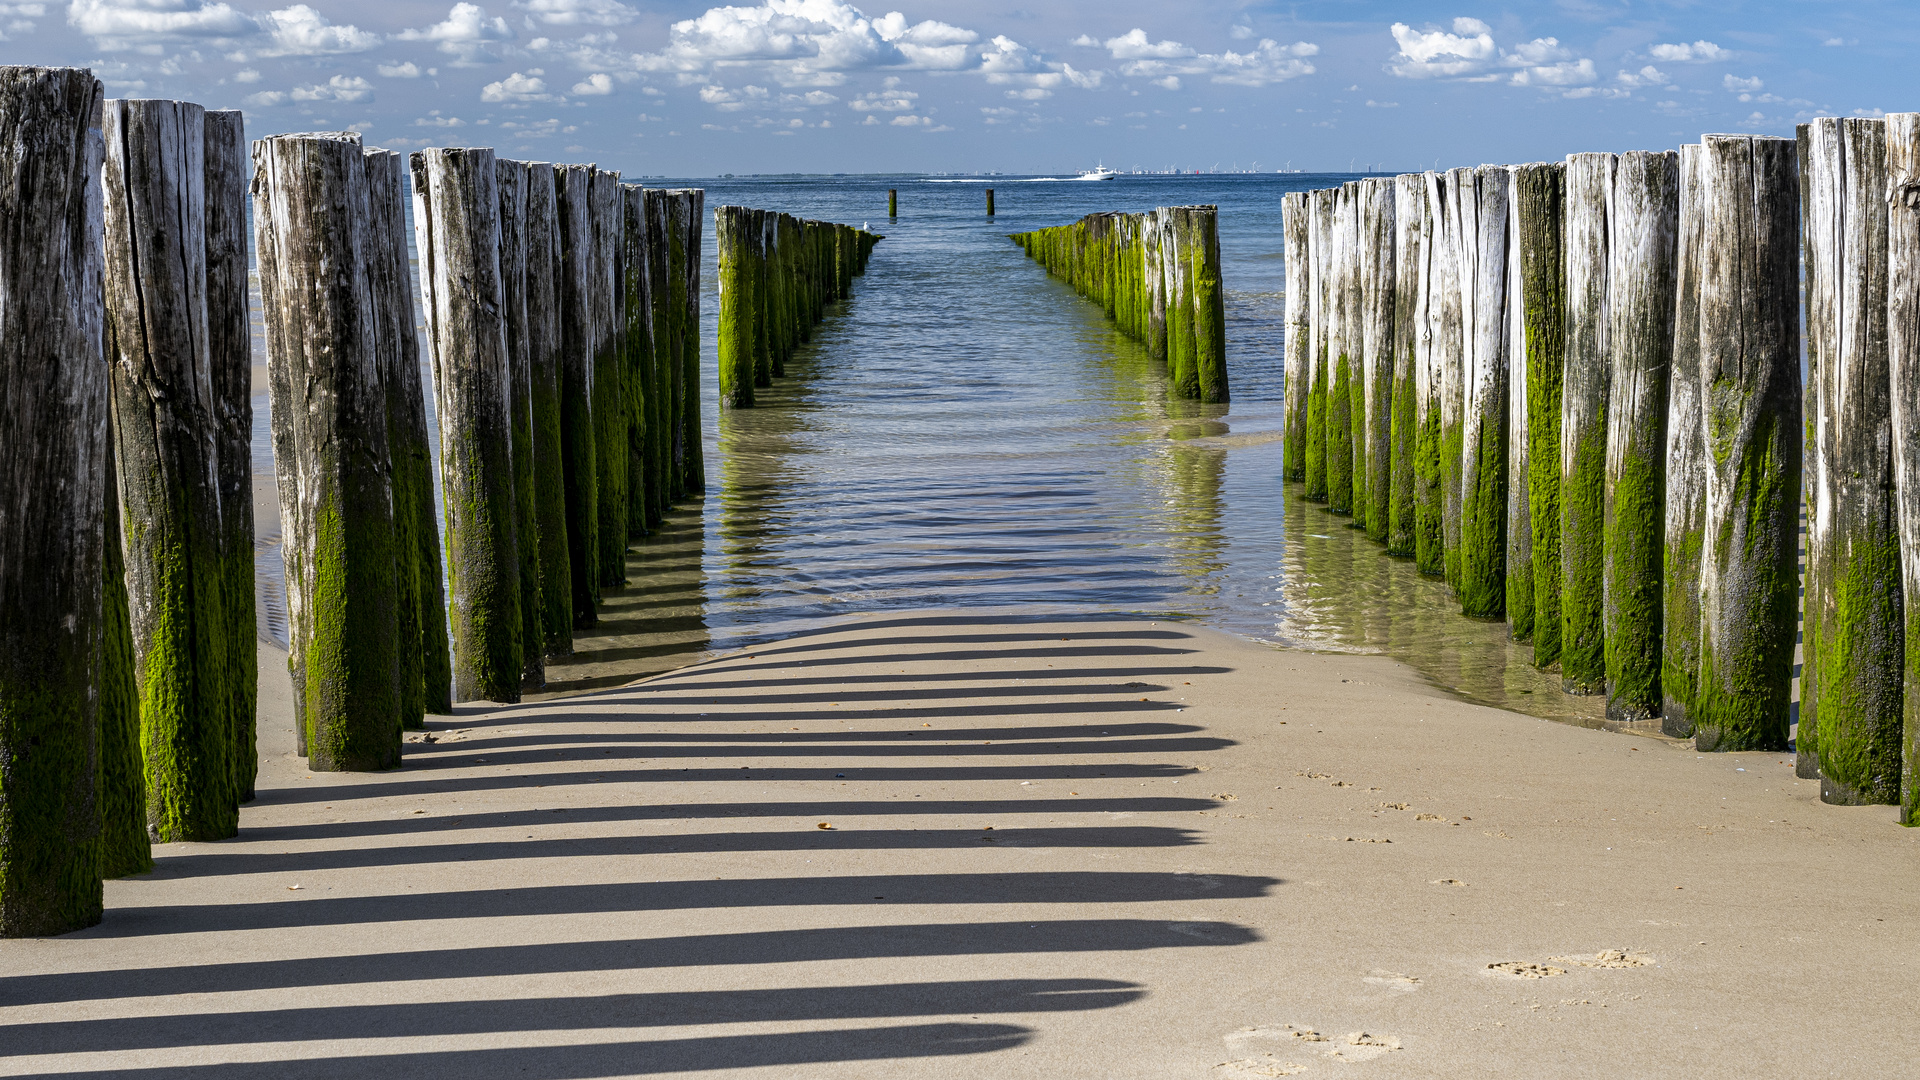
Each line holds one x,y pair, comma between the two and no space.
967,432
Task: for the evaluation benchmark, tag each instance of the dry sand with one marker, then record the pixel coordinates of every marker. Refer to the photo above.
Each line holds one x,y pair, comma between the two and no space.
994,847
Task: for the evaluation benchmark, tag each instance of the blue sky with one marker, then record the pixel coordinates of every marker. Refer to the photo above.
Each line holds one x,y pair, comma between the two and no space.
691,89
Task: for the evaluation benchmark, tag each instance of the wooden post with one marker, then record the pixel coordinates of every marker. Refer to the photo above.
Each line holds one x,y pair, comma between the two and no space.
1643,230
167,439
1748,357
510,184
735,337
230,351
1482,584
989,202
1321,205
1299,332
665,483
1903,352
53,488
456,220
1854,627
693,477
1539,205
1583,426
637,265
124,846
1409,212
1377,358
426,669
1519,576
310,215
1339,416
573,190
609,380
893,203
1209,370
544,352
1451,361
1681,627
1429,503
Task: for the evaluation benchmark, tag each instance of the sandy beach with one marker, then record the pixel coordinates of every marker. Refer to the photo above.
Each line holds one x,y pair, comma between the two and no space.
969,845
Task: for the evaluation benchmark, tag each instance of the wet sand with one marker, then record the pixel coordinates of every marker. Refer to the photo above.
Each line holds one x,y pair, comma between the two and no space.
990,846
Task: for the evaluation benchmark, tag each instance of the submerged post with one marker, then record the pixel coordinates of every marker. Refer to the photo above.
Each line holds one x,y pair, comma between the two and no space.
1321,206
310,215
1341,349
989,202
53,488
1643,226
1583,426
893,203
738,309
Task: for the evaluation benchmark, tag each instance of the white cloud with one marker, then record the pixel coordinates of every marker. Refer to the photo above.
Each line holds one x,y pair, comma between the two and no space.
1648,76
1737,85
517,87
733,100
246,75
912,121
20,18
1161,61
1700,52
578,12
596,85
435,120
265,98
338,88
1171,82
1435,53
889,99
120,22
408,70
302,31
1564,73
1240,32
466,33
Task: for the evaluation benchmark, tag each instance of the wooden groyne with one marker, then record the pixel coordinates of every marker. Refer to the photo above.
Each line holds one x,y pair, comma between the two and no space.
1597,416
778,273
1157,275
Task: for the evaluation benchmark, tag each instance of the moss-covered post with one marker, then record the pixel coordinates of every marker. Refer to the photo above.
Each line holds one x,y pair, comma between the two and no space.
1854,628
1749,387
735,336
1299,332
1409,206
167,439
692,477
1339,415
1687,465
893,203
573,196
663,483
1519,454
1209,369
1451,359
425,667
1643,232
1539,200
1903,356
124,847
456,219
637,265
1482,584
989,202
1377,359
544,351
1436,254
310,214
609,376
510,183
230,352
1583,426
53,488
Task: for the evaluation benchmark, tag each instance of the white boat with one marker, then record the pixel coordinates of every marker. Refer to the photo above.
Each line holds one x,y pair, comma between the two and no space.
1098,172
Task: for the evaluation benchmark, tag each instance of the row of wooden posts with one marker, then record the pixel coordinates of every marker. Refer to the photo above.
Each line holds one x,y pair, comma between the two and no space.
1157,275
1574,390
778,273
562,315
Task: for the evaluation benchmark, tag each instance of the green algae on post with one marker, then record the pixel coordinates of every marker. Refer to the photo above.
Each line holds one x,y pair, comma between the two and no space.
1377,349
54,398
511,185
1854,625
1903,352
124,847
1451,344
1643,225
1519,574
1538,200
573,191
1436,254
1409,212
166,440
543,370
1749,379
1320,213
1583,425
1687,465
1481,584
1339,414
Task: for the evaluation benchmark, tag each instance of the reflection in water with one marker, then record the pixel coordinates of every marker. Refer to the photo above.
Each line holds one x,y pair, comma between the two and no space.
652,625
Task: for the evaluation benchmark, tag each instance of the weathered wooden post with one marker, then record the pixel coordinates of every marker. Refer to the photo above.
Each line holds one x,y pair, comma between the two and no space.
693,475
1851,707
1903,352
573,191
1209,367
310,215
1681,625
1583,426
735,337
1643,229
426,669
1482,584
893,203
456,220
609,378
124,846
1539,199
1430,352
544,352
53,493
1321,204
1340,350
1749,386
1409,213
1377,358
667,338
637,264
167,440
1451,360
1299,332
1519,575
989,202
510,184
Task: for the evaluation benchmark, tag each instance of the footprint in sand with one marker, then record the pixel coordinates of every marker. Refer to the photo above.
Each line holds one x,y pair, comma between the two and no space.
1515,969
1294,1040
1611,958
1392,980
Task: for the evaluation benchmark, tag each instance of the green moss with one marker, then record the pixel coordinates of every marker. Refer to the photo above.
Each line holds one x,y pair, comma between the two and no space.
1482,581
1452,451
1858,663
123,847
1402,439
1583,660
1357,439
1339,427
49,852
1429,533
350,687
1635,578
